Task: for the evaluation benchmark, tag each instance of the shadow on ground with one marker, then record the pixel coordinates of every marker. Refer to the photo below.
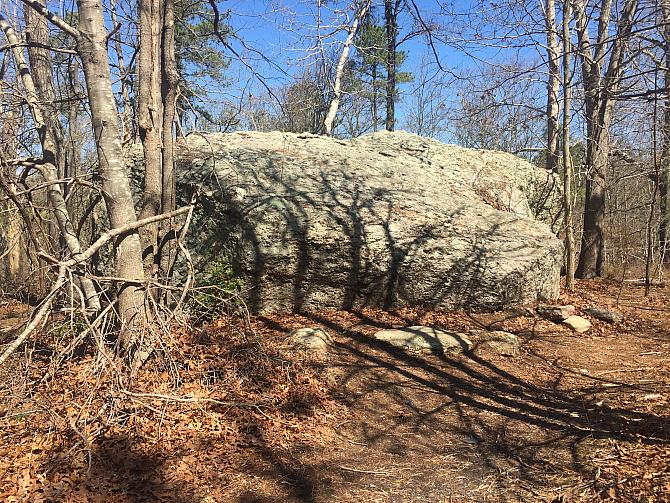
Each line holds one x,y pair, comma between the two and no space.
523,426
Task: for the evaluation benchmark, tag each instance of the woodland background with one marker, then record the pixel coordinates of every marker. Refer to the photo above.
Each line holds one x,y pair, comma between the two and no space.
124,381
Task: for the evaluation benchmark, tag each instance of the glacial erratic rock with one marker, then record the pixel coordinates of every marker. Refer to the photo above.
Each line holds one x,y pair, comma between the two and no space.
419,338
383,220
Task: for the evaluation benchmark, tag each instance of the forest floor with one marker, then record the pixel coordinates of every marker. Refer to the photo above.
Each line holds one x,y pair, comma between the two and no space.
238,415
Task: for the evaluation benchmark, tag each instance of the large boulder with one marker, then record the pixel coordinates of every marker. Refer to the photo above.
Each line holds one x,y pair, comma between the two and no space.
386,219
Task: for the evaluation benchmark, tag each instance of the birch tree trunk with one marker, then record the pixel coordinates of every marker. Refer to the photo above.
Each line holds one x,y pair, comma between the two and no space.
553,86
344,55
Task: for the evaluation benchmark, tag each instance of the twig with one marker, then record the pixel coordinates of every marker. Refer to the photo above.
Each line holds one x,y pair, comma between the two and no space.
190,399
641,369
372,472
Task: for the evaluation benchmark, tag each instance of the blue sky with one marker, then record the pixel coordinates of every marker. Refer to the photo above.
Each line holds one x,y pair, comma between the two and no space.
280,31
268,28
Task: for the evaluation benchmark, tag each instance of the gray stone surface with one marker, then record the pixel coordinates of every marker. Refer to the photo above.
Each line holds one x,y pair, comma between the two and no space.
421,338
605,315
556,313
499,341
383,220
315,339
578,324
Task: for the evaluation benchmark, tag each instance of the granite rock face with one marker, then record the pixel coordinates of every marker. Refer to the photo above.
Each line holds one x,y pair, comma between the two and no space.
383,220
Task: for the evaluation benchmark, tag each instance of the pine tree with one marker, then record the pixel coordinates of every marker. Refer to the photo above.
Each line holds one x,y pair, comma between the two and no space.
370,65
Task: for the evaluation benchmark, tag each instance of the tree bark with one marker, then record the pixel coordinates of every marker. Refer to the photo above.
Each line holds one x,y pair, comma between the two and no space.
375,113
75,141
553,86
40,93
339,72
92,47
126,115
51,135
37,32
11,218
567,156
150,122
665,148
599,90
170,83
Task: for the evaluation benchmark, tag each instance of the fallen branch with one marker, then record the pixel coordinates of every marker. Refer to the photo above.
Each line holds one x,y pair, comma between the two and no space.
191,399
372,472
617,371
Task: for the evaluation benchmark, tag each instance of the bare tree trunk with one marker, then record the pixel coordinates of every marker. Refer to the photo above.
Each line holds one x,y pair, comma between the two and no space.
665,148
51,136
92,46
339,72
75,141
592,254
649,246
12,219
567,156
599,91
170,82
390,14
13,240
553,86
375,113
150,122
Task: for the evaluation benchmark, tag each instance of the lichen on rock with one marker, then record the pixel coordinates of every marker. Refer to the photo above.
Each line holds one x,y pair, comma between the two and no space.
382,220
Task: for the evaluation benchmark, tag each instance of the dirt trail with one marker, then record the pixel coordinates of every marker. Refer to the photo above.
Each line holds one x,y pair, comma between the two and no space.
573,418
563,420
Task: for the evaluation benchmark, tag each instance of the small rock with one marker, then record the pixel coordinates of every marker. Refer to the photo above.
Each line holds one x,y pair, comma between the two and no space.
556,313
501,342
578,324
315,339
605,315
425,339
